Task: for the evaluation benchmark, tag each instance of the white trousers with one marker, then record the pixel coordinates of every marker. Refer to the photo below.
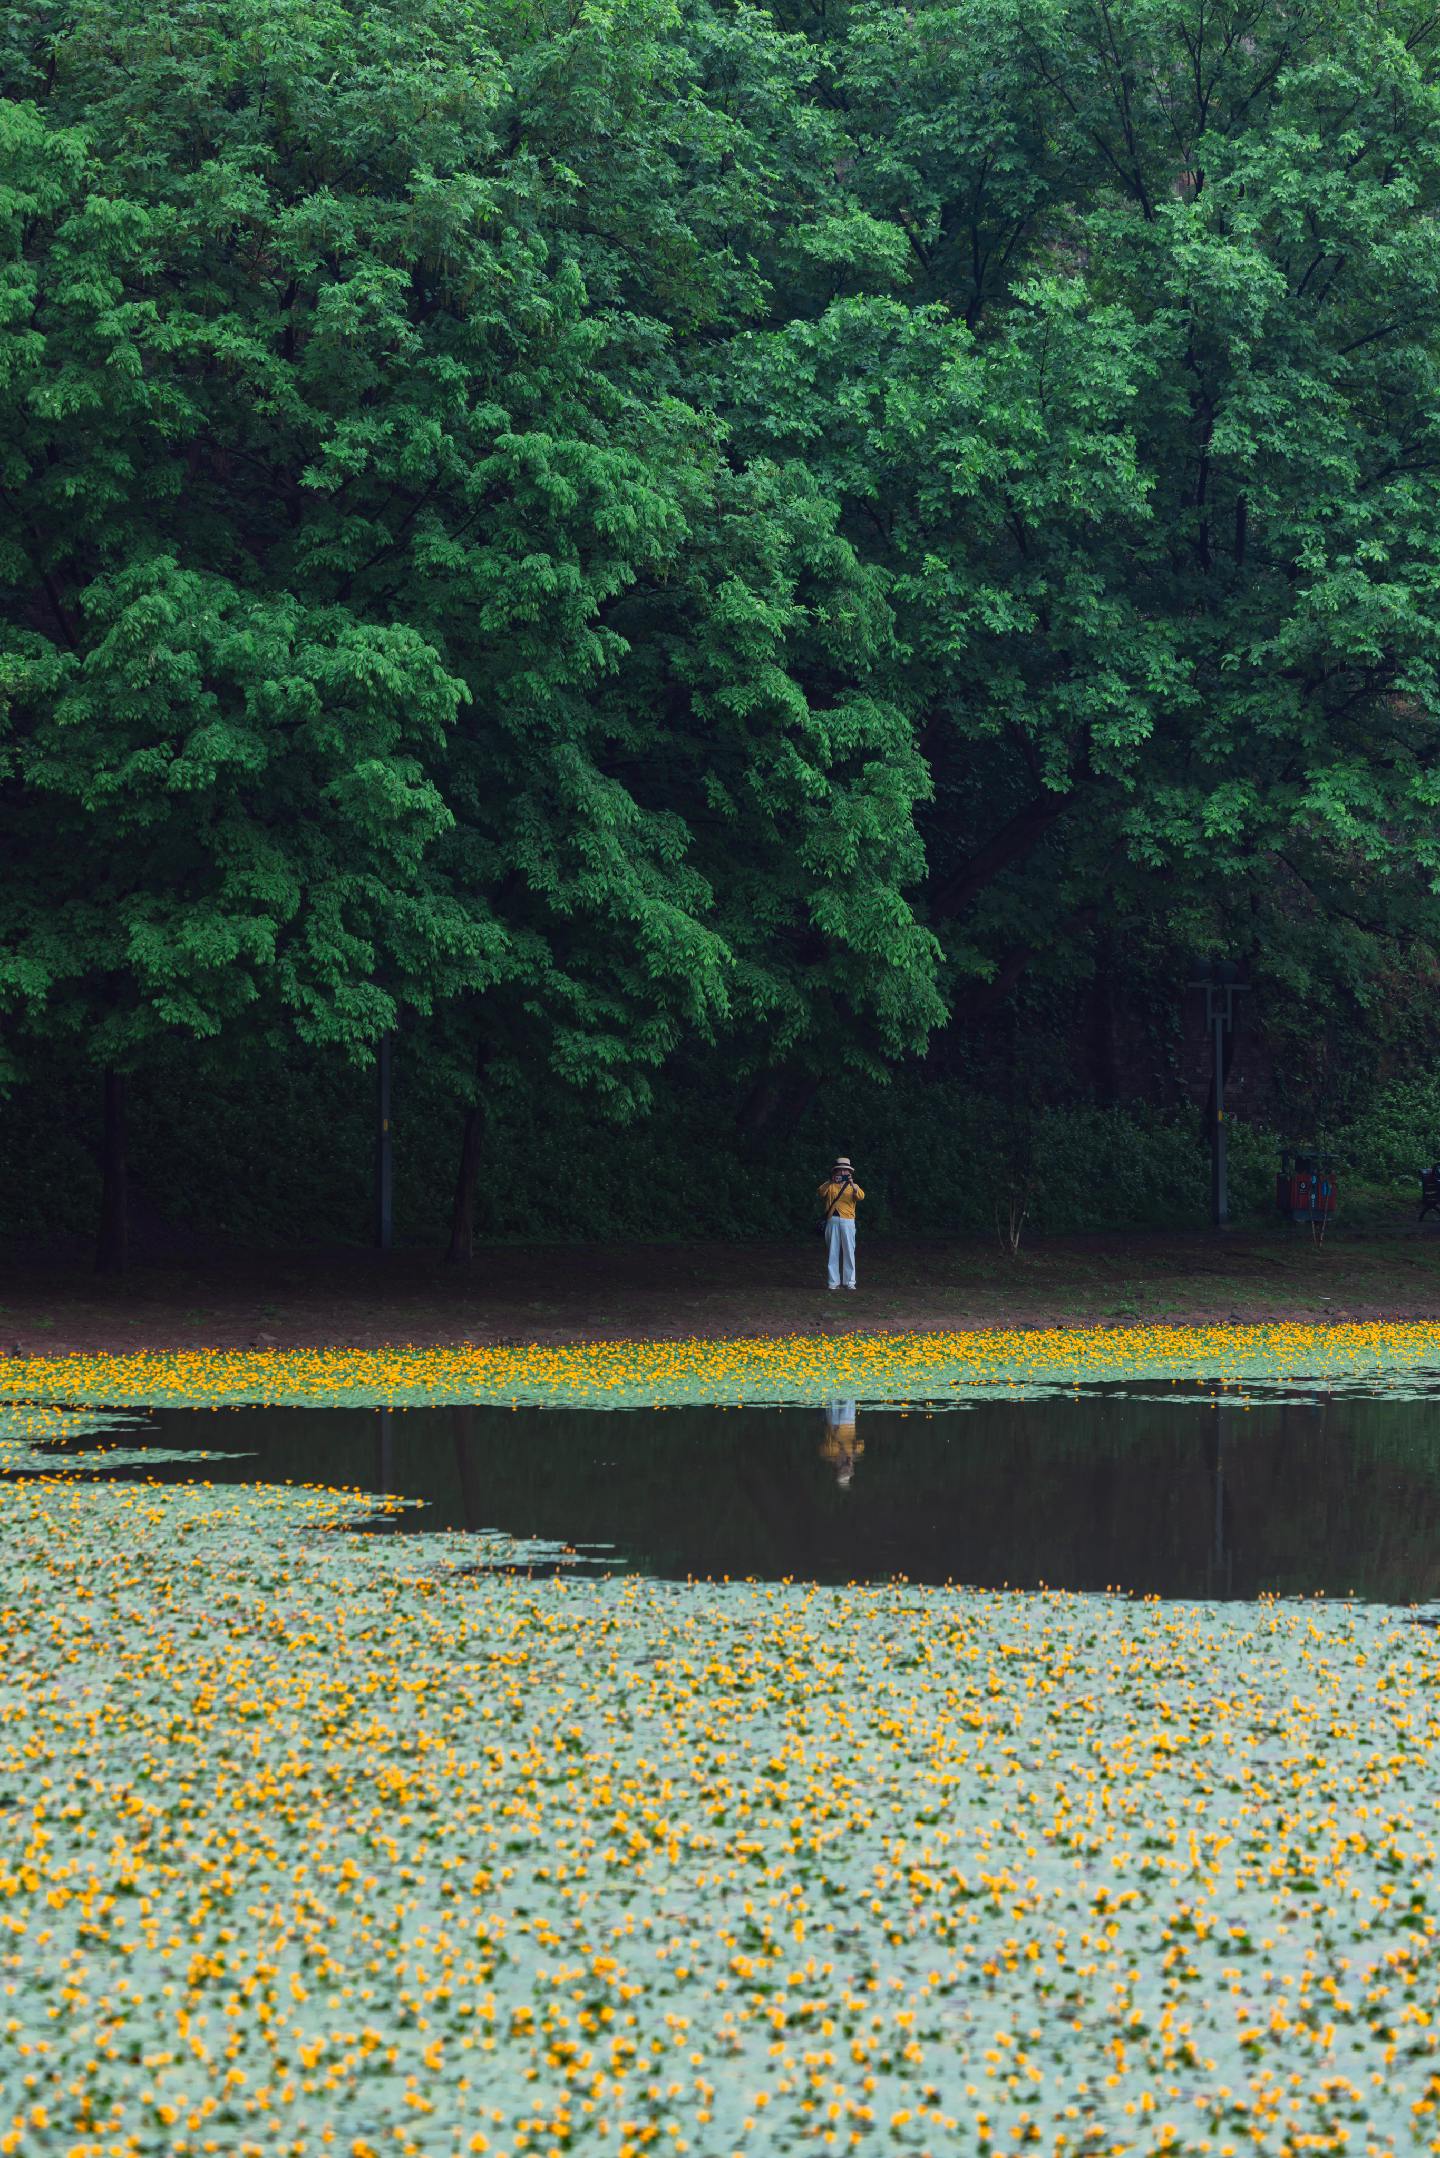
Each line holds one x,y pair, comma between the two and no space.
840,1251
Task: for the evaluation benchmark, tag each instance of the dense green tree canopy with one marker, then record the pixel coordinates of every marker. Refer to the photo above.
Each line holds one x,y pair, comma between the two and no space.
1144,443
581,531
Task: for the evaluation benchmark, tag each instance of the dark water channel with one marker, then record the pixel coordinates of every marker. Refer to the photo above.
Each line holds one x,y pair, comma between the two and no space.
1177,1496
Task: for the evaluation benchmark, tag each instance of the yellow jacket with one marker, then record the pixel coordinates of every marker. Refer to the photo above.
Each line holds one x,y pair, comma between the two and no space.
839,1199
840,1442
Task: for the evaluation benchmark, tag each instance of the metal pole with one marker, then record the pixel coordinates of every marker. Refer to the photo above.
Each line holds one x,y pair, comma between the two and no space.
1220,987
384,1163
1219,1193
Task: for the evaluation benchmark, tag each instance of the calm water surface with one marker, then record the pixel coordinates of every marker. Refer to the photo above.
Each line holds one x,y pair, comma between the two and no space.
1177,1497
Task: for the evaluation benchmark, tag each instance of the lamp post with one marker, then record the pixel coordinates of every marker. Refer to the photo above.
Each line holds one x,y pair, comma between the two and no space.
1222,982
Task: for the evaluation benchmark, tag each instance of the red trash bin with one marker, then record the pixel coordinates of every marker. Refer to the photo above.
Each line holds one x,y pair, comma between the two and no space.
1305,1187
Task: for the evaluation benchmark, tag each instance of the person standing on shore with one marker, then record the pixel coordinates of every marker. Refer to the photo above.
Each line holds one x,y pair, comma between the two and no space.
839,1195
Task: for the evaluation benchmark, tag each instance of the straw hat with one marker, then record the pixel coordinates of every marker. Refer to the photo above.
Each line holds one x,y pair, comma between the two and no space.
842,1161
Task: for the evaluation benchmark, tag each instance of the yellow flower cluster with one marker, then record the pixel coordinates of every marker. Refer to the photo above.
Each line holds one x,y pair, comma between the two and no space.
612,1374
311,1843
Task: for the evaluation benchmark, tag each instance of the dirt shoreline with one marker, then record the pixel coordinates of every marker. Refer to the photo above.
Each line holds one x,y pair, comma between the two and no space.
226,1298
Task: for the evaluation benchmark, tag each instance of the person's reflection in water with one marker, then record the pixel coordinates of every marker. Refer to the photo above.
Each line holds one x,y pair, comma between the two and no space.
840,1447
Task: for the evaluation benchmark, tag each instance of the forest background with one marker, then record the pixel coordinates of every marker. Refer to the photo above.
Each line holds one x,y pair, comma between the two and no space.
735,581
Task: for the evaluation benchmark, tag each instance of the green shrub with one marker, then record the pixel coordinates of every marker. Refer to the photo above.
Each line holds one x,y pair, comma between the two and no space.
268,1151
1397,1136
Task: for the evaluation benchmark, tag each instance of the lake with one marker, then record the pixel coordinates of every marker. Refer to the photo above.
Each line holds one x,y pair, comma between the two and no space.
1173,1493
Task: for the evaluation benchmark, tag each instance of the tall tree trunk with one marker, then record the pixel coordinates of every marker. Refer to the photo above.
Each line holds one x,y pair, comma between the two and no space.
760,1104
799,1093
472,1145
1104,1054
384,1149
779,1099
112,1243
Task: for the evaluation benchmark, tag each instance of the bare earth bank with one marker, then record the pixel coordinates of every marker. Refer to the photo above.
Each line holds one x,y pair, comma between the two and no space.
224,1298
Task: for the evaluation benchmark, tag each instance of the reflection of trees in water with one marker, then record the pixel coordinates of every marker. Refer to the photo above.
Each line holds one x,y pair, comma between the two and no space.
467,1461
1221,1572
384,1474
1197,1500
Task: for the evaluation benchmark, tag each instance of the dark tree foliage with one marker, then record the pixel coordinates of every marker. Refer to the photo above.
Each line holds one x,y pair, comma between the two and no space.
583,535
1143,441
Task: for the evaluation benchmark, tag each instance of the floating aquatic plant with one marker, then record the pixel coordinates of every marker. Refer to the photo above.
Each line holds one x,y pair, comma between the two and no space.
780,1368
313,1843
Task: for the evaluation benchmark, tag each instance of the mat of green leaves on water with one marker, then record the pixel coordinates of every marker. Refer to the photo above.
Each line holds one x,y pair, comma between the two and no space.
318,1842
1396,1359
